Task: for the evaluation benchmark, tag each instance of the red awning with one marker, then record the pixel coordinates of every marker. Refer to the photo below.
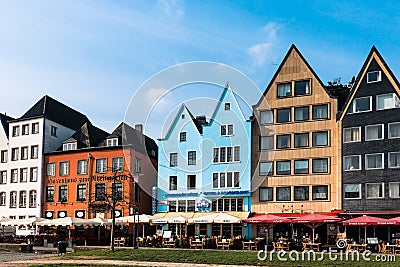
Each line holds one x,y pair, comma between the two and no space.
366,220
316,218
267,218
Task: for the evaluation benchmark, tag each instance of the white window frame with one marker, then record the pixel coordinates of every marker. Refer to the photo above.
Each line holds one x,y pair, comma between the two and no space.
25,129
366,161
359,191
35,128
389,125
366,190
3,198
271,170
3,177
23,175
349,170
374,125
34,152
119,164
64,168
33,174
379,76
389,154
70,146
82,166
24,153
227,127
352,109
112,141
101,165
390,190
225,181
394,98
351,128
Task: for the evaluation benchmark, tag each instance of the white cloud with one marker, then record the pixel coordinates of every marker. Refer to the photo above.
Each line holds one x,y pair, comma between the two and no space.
171,8
262,51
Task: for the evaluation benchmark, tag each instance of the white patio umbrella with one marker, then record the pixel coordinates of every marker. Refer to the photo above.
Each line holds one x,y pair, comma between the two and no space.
142,218
226,218
21,222
103,222
204,219
68,221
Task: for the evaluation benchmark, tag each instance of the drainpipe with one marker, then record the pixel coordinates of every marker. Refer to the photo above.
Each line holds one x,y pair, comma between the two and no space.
90,165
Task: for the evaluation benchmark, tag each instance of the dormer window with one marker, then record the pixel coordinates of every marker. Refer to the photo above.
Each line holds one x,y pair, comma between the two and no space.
70,146
112,142
374,76
227,106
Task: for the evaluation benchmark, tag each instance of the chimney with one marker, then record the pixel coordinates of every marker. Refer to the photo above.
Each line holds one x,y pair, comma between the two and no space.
139,128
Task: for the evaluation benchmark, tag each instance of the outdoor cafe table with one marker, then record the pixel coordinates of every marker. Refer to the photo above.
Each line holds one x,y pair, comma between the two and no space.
196,244
281,245
249,245
223,244
357,247
311,246
169,243
392,248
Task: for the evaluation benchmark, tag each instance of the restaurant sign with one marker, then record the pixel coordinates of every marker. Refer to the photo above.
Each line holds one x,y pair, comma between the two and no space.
95,178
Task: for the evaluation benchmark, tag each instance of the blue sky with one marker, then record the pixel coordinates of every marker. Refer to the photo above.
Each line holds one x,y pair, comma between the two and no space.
94,55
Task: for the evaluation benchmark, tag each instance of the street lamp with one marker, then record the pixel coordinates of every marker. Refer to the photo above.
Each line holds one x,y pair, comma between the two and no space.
135,207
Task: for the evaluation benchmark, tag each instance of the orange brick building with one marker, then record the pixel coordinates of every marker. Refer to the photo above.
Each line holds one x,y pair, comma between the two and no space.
79,179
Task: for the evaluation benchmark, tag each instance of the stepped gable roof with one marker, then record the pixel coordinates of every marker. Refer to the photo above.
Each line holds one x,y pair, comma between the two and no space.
4,122
57,112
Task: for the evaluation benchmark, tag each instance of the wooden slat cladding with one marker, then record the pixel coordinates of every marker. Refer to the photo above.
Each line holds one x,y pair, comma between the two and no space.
295,68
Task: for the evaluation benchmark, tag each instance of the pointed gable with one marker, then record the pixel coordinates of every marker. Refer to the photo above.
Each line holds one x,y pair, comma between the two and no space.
87,136
226,103
293,67
374,67
182,116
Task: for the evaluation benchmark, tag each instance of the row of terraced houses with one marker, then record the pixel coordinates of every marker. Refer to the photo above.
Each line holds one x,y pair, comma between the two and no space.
308,147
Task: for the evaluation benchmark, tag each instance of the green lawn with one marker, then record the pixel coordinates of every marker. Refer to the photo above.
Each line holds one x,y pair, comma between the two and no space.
217,257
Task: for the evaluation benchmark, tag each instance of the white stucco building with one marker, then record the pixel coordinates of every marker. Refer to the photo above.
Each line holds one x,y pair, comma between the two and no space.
23,141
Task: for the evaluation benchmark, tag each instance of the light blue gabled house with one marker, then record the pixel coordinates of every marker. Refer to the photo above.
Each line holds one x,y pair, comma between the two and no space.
213,170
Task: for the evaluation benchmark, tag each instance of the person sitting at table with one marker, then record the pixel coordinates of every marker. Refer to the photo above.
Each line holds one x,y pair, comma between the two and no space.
317,239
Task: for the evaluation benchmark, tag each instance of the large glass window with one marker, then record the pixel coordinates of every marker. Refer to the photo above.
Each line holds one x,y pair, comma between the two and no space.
117,191
49,197
35,128
301,113
101,165
64,168
227,129
14,175
173,182
23,178
34,152
283,141
118,164
191,157
266,117
82,166
387,101
3,197
22,199
283,167
284,89
283,115
375,190
265,194
320,138
266,168
394,130
301,140
283,193
352,191
301,166
320,192
266,142
33,174
51,169
63,193
81,192
14,153
320,165
173,159
301,193
373,76
352,163
320,112
191,182
302,87
13,199
100,192
394,190
361,104
373,132
172,206
374,161
24,152
394,160
352,134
